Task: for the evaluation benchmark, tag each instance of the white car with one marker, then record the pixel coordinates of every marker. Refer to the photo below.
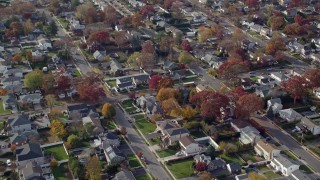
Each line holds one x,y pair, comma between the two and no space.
9,163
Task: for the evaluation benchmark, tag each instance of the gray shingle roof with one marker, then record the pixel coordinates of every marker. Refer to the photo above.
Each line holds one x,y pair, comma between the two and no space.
29,151
177,131
19,120
284,161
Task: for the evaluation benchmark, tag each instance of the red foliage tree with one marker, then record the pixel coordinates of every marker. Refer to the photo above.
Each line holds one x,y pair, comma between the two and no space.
185,45
209,103
168,3
252,3
147,10
147,47
300,20
63,82
166,82
154,81
201,166
296,86
248,104
90,92
126,21
98,37
237,93
231,69
313,78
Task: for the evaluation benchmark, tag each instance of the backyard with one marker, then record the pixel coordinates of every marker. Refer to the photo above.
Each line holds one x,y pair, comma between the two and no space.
248,156
109,124
112,83
57,151
2,111
60,172
271,175
231,159
144,125
133,161
166,153
128,105
181,169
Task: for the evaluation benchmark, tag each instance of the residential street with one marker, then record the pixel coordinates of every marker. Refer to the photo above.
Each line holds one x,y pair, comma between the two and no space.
138,144
286,140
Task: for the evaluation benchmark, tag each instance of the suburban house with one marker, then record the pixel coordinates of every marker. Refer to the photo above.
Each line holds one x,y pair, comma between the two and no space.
32,171
202,158
99,55
234,168
125,84
189,146
266,150
44,43
115,68
274,106
11,80
316,92
141,80
290,115
279,77
172,131
249,135
216,164
78,111
9,101
23,137
31,152
310,125
169,65
284,165
124,175
110,138
149,104
94,121
18,123
113,155
298,175
241,177
30,99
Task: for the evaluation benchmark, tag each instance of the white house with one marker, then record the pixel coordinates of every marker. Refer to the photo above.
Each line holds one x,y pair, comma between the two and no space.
298,175
284,165
290,115
279,77
274,105
266,150
310,125
44,43
249,135
19,123
316,92
189,146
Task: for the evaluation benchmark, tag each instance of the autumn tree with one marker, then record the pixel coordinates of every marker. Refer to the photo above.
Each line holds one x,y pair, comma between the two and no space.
133,58
237,37
136,20
28,27
252,3
33,80
185,45
248,104
296,86
123,130
98,37
93,169
63,82
313,78
294,29
120,39
167,93
169,105
228,148
148,47
108,110
185,57
53,163
126,21
111,15
82,10
58,128
188,112
51,100
300,20
146,61
276,43
231,69
17,58
166,43
218,31
276,21
146,10
3,92
168,3
255,176
204,34
201,166
205,176
154,82
73,140
166,82
48,82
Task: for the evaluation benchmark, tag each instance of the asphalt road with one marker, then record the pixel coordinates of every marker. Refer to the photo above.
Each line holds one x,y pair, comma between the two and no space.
138,144
286,140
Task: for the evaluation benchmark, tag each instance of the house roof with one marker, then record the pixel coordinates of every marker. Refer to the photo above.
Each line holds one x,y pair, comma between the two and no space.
11,79
19,120
124,85
142,78
124,80
9,98
240,124
297,174
28,152
124,175
273,101
286,162
218,162
307,122
177,131
31,97
77,107
114,66
187,140
31,171
290,113
266,146
234,167
167,125
22,137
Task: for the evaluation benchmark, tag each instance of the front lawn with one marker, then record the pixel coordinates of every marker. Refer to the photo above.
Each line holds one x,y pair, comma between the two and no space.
128,106
133,161
2,111
109,124
60,172
77,73
271,175
155,141
231,159
166,153
289,154
145,126
57,151
112,83
143,177
181,169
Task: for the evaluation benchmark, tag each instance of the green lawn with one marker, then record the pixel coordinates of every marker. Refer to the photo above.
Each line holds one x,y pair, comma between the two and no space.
112,83
305,169
57,151
133,161
197,134
155,141
181,169
77,73
190,79
2,111
166,153
289,154
64,23
51,54
84,144
263,168
109,124
271,175
248,155
138,117
59,172
145,126
143,177
39,65
231,159
128,106
1,124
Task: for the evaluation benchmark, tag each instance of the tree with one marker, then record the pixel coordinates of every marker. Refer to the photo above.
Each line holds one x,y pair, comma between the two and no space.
166,43
89,88
256,176
167,93
98,37
166,82
111,15
201,166
185,45
29,57
294,29
28,27
300,20
63,82
17,26
146,10
133,58
275,22
53,163
93,169
58,128
126,21
205,176
14,176
3,92
248,104
120,38
231,69
53,29
82,10
275,44
188,112
146,60
33,79
185,57
312,76
296,86
136,20
13,147
169,105
51,100
48,82
227,148
204,34
147,47
252,3
154,82
75,3
168,3
73,140
123,130
108,110
139,154
17,58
